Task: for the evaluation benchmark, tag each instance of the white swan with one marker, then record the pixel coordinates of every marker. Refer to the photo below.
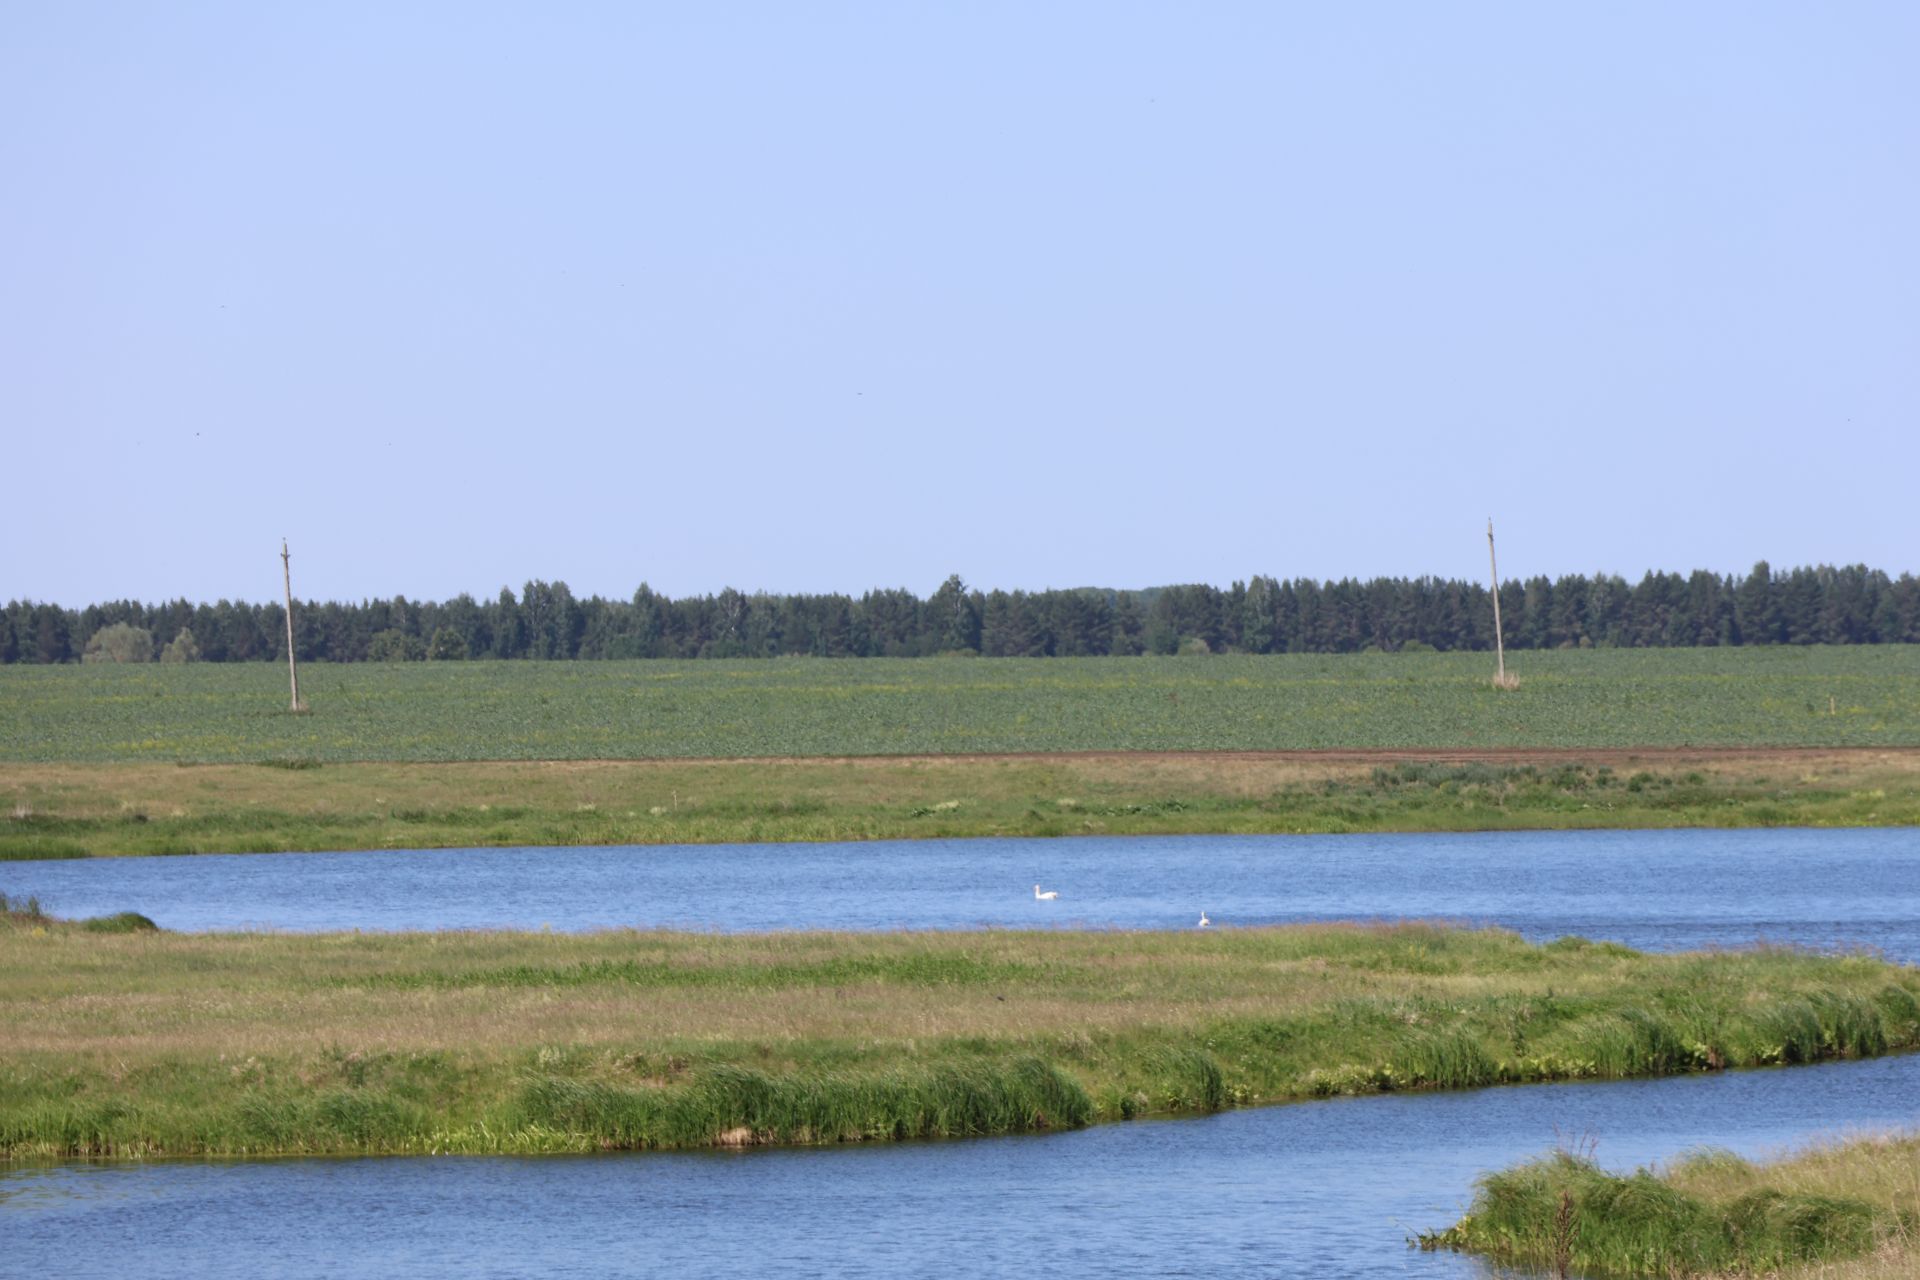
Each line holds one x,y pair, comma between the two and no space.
1048,896
1204,922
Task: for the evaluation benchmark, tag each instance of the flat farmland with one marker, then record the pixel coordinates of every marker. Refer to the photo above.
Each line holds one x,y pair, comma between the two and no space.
657,710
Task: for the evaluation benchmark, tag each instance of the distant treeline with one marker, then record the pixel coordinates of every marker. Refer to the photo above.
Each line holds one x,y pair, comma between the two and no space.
1853,605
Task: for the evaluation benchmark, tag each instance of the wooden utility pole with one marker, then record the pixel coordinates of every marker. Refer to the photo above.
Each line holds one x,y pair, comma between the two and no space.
1501,680
286,574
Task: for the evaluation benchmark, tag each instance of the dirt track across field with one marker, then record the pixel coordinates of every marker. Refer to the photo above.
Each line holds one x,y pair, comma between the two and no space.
1247,773
1665,756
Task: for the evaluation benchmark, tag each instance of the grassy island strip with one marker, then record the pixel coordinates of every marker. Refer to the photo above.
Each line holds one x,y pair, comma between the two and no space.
151,1043
1844,1212
78,810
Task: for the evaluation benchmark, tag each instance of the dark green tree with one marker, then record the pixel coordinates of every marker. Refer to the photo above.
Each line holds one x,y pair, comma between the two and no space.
52,635
447,645
182,648
1257,614
119,642
1756,608
395,645
954,618
1800,601
509,626
1127,639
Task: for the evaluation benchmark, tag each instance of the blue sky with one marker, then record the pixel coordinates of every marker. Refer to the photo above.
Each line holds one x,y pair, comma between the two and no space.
827,297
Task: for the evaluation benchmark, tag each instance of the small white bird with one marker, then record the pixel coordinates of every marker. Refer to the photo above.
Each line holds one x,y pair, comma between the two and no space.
1204,922
1048,896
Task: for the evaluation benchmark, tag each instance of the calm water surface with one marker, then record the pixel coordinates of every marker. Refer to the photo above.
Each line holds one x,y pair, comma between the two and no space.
1649,889
1319,1189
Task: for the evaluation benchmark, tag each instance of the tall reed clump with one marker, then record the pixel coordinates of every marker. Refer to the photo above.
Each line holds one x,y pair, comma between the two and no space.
27,912
120,922
21,910
1563,1212
1374,1045
250,1122
734,1105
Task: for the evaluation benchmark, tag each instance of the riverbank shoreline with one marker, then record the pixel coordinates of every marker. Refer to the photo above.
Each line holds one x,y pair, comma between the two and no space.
160,1044
298,804
1839,1209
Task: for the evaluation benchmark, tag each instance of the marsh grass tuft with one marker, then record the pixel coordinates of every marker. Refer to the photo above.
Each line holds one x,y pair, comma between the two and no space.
35,849
1710,1214
121,922
27,912
734,1105
21,910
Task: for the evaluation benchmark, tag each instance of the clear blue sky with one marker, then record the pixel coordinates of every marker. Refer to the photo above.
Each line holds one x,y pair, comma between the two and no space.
826,297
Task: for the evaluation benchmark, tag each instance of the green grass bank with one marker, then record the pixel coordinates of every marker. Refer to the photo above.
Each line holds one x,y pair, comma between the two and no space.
133,1044
129,808
1800,696
1849,1210
53,811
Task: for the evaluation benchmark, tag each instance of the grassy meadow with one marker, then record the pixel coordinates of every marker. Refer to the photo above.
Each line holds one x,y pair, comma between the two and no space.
49,811
435,712
150,1043
1846,1211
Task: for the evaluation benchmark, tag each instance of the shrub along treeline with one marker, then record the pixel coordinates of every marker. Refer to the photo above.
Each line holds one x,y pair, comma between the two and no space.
1823,605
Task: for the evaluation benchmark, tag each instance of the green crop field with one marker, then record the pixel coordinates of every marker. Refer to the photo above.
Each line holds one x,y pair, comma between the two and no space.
1814,697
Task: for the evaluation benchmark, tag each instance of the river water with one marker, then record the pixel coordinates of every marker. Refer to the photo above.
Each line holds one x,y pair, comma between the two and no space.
1661,890
1319,1189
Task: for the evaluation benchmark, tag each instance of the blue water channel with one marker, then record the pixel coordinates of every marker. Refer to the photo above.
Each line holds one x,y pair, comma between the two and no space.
1317,1189
1661,890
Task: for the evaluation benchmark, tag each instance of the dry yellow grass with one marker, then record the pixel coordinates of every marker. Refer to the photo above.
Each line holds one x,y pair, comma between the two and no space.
149,808
106,998
1882,1170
